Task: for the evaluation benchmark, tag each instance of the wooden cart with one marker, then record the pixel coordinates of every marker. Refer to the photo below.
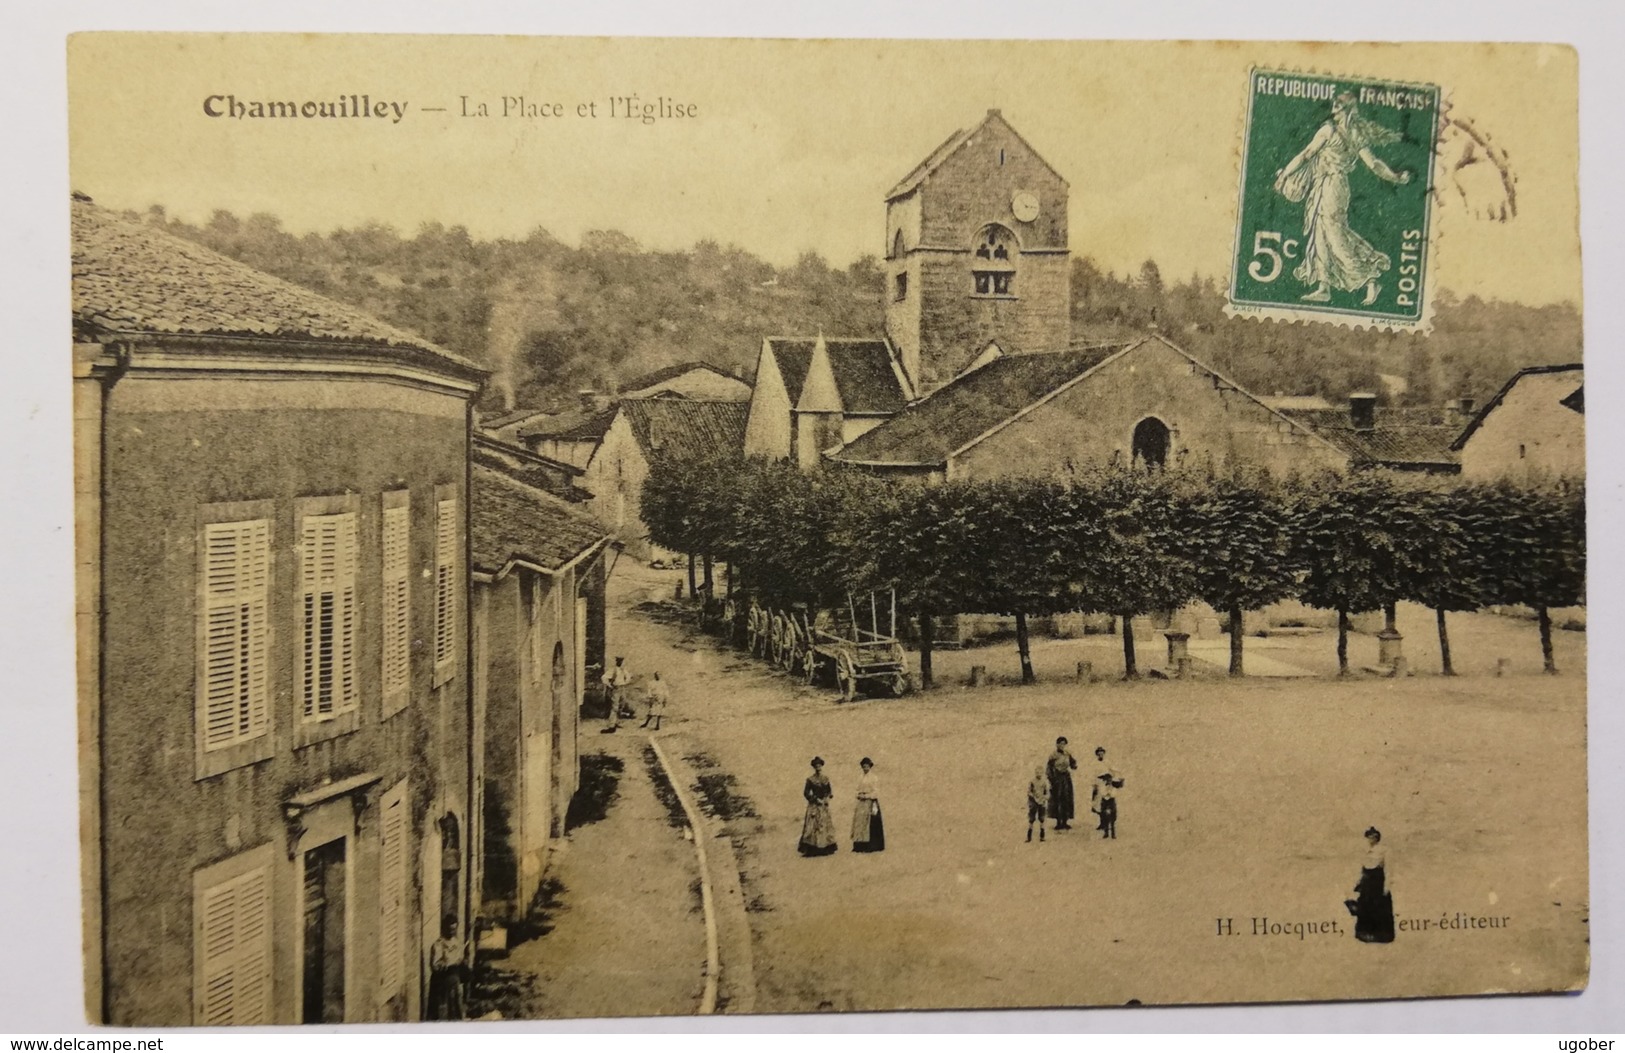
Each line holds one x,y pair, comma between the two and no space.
858,655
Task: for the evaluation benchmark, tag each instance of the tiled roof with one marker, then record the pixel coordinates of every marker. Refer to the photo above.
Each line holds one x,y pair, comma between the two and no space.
865,377
502,420
1529,371
1399,437
793,357
862,366
544,473
129,277
686,427
931,429
936,157
671,372
572,427
516,522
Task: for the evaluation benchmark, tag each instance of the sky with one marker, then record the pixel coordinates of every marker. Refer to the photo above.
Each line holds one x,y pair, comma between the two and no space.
791,145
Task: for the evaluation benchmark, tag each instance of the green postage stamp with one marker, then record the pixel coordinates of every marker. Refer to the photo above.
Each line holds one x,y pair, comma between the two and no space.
1334,222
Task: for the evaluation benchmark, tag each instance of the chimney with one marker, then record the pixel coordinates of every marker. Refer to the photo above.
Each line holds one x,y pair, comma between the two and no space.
1363,411
1465,406
588,400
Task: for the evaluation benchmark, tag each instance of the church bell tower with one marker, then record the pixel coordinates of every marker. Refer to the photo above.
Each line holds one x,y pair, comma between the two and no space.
976,253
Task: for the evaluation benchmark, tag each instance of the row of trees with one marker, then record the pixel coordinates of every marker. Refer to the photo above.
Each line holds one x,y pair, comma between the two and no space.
1127,542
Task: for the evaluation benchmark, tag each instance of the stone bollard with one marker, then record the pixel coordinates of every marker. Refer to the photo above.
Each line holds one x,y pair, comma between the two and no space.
978,675
1401,667
1182,668
1178,648
1086,672
1503,666
1390,647
679,594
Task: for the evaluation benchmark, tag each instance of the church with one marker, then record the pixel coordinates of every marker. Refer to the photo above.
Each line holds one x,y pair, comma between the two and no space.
977,375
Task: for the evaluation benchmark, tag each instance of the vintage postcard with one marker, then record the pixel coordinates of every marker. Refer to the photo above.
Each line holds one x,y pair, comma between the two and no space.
627,527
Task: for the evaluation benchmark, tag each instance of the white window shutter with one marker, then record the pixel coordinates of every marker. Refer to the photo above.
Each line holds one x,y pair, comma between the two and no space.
445,558
236,952
236,558
392,853
397,615
327,585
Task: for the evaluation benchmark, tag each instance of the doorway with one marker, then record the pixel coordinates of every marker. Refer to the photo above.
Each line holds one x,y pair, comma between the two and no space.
324,934
1150,443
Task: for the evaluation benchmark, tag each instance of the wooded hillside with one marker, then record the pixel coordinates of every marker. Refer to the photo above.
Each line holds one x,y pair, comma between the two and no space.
552,318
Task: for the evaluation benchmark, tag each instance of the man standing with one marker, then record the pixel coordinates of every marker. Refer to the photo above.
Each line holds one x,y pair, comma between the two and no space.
1104,794
615,682
1061,800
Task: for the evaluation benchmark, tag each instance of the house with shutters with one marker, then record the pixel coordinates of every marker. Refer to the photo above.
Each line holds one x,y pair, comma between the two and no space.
539,569
273,642
812,396
1535,425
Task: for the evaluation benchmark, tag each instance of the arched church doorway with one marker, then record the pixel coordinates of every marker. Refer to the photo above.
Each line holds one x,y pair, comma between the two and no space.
1151,443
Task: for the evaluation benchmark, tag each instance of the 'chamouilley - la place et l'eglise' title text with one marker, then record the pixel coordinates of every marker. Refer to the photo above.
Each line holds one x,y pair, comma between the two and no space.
623,107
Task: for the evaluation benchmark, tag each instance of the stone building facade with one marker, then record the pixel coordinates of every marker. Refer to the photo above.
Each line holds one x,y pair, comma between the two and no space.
976,253
1535,425
273,642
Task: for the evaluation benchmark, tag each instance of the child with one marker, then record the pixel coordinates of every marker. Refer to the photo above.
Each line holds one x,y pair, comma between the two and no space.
656,697
1037,801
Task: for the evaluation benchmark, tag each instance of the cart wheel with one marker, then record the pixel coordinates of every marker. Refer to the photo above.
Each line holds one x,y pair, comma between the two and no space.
847,675
899,685
810,665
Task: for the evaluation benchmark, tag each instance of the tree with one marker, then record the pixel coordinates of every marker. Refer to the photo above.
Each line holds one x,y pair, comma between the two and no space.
1018,548
1235,535
1125,557
1536,556
1355,556
1452,529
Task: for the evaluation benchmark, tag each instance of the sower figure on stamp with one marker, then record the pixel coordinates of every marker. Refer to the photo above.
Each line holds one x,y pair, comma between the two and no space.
615,683
1104,794
1333,254
1037,801
1061,799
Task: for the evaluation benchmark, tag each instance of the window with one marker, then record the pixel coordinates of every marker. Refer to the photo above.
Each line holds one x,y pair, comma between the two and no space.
993,262
392,856
327,612
234,690
897,245
231,909
901,287
397,601
445,586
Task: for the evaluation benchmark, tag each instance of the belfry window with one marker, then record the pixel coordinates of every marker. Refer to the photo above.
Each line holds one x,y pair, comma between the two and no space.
993,262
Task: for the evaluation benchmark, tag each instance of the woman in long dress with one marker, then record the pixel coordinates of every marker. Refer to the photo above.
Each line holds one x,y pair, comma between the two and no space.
1373,902
868,830
1333,254
817,829
1060,768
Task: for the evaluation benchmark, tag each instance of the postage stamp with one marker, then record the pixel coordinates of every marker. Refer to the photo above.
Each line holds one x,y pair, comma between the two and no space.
1334,219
